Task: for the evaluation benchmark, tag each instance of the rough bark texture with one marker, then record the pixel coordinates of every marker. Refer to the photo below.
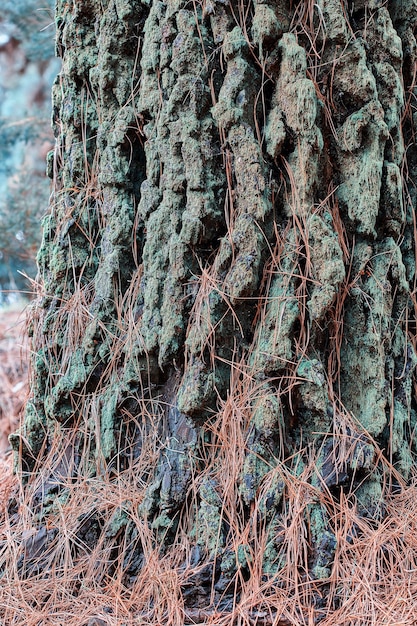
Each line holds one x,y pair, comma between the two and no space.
228,273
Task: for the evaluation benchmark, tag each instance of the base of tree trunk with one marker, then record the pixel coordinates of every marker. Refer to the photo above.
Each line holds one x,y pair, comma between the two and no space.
222,413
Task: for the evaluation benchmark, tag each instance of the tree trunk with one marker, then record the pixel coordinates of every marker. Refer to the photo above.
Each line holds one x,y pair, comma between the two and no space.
224,340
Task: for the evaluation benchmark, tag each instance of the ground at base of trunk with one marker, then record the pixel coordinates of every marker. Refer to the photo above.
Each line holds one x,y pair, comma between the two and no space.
91,560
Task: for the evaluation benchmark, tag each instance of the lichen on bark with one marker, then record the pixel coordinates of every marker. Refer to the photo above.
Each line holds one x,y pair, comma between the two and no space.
228,268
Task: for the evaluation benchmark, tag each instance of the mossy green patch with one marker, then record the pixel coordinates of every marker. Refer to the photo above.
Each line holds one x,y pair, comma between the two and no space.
323,542
327,266
266,25
273,346
313,396
197,388
31,435
362,141
108,421
370,500
366,349
255,468
209,520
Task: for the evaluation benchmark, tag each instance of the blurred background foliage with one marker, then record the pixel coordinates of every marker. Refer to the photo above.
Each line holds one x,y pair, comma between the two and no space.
27,70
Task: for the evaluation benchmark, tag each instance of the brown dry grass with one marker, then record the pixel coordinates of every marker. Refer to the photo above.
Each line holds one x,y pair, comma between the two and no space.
13,372
13,389
53,574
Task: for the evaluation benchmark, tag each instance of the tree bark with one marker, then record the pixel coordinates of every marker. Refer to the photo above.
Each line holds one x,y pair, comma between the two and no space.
227,279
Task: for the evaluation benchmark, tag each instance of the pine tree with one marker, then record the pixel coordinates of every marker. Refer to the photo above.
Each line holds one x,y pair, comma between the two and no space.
222,412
